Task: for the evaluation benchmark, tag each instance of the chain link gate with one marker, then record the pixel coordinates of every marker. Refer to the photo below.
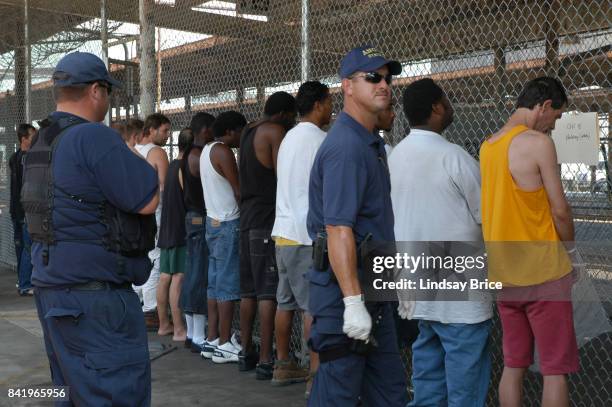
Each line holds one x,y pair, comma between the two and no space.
185,56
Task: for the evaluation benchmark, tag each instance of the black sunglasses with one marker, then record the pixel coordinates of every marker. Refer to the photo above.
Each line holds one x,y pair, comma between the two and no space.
375,77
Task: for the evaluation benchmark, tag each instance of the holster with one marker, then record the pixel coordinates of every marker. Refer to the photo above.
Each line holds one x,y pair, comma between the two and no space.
320,253
320,256
354,346
130,234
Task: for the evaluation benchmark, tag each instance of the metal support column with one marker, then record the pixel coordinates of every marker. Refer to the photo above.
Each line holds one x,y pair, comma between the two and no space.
27,64
551,32
147,59
240,98
305,40
104,41
261,98
158,72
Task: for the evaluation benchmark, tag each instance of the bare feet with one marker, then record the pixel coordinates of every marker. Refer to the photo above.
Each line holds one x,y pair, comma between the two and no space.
179,336
165,330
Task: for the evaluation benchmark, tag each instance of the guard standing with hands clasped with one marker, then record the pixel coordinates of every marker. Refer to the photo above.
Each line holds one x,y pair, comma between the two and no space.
88,201
350,202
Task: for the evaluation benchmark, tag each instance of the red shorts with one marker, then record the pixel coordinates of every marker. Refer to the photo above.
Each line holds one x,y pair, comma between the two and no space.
550,324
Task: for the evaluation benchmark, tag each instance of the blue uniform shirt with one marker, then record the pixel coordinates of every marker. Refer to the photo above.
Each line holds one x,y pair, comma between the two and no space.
350,183
92,162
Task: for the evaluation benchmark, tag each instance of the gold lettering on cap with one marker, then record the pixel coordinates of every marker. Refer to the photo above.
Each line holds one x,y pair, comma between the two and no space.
371,53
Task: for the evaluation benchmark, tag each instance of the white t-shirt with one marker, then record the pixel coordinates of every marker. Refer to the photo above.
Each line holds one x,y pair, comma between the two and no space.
388,149
294,162
435,191
219,196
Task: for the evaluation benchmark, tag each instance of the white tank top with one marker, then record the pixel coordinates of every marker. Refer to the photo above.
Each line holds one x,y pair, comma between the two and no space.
143,150
221,204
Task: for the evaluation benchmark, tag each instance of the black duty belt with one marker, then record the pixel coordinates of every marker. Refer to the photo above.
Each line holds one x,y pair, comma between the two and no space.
353,347
101,285
332,354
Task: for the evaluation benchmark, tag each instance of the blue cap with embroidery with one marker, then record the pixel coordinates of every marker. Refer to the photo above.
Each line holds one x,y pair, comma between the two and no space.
366,59
78,68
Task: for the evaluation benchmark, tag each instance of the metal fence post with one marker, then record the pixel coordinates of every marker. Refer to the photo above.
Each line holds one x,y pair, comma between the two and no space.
305,40
147,59
104,41
27,63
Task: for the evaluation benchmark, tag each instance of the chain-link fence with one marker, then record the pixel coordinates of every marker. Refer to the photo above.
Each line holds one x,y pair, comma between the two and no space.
185,56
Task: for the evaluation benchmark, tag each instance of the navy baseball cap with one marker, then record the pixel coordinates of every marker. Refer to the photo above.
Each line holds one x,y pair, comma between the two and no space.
78,68
366,59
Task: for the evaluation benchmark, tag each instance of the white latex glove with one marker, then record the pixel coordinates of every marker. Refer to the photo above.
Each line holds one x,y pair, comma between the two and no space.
406,298
357,320
405,309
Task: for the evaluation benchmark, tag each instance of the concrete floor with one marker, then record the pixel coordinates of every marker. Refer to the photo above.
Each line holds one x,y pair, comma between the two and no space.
180,378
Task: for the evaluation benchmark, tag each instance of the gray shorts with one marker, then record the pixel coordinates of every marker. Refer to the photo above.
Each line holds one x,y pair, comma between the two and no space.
293,263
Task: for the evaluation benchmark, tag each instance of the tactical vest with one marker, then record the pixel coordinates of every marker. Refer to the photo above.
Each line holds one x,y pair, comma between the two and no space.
128,234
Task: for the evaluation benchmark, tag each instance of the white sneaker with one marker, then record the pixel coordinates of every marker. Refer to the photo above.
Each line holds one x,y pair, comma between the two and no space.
226,353
235,340
208,348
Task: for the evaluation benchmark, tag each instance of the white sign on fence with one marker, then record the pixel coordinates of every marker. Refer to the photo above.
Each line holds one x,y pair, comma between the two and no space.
576,136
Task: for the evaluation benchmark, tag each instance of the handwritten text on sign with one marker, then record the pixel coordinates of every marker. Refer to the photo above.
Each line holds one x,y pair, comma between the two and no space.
576,137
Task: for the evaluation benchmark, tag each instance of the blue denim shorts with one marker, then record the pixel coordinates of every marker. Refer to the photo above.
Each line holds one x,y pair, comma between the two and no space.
193,293
224,259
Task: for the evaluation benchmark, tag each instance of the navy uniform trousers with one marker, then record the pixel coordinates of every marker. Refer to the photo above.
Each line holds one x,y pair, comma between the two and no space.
96,342
378,378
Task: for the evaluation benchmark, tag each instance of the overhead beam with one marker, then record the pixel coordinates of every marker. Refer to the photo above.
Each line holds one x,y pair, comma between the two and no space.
459,83
185,19
42,25
165,16
431,33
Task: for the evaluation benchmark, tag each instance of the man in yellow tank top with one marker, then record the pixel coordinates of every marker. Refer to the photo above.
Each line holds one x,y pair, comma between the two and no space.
528,227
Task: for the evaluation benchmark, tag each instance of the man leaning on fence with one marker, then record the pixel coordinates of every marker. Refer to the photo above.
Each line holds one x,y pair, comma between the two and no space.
84,267
435,188
171,242
257,167
23,243
193,299
219,175
529,232
349,199
293,245
155,134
